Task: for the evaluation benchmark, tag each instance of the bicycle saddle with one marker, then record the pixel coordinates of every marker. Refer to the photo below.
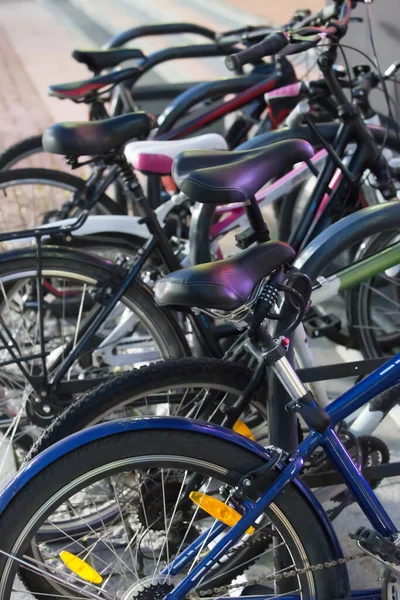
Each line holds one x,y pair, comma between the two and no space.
224,284
222,177
152,156
91,138
76,90
97,60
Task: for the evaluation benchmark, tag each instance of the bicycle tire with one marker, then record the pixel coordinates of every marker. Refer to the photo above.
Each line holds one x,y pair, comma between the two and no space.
19,151
57,179
93,406
297,523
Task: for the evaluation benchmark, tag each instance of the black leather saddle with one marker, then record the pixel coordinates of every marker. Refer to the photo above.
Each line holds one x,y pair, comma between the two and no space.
92,138
78,90
224,284
221,177
97,60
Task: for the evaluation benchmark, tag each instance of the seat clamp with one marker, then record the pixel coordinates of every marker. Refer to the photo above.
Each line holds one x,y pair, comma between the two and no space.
246,238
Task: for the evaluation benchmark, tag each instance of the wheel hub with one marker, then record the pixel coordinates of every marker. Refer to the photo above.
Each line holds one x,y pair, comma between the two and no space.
146,589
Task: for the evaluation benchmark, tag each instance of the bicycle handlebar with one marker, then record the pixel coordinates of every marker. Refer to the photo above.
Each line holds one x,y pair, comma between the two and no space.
296,40
272,44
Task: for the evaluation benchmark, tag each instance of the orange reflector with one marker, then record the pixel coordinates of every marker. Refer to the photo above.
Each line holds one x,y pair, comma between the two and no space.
242,428
217,509
80,567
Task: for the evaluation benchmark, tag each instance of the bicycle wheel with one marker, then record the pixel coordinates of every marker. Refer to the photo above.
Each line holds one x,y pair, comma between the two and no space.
374,305
202,388
33,194
29,153
135,333
149,475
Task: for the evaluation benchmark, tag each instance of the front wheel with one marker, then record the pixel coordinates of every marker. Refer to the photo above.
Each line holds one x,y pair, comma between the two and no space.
149,474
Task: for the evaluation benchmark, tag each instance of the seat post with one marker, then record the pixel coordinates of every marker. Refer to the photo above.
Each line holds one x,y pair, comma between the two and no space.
258,231
254,215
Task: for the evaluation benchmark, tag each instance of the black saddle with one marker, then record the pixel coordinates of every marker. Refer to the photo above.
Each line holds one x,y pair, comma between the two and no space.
92,138
97,60
78,90
221,177
224,284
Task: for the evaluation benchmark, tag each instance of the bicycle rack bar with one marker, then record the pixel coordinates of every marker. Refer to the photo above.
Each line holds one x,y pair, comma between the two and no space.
158,29
45,231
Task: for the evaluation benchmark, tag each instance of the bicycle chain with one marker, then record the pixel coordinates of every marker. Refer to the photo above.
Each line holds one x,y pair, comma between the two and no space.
285,575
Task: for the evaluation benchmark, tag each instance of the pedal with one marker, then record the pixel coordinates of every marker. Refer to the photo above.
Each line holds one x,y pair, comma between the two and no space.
379,547
320,325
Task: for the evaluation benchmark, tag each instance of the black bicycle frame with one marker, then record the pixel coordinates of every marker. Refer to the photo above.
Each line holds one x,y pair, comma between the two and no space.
158,242
367,155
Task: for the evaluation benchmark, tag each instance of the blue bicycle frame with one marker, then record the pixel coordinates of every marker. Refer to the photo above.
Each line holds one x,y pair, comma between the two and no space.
382,379
338,410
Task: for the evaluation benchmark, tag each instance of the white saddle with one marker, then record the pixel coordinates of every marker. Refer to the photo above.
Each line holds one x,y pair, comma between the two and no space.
154,156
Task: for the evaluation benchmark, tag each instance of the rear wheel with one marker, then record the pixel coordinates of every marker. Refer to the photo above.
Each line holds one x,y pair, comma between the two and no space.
30,197
202,388
29,153
135,333
148,474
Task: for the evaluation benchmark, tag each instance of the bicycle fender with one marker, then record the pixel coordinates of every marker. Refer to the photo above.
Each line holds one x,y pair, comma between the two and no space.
86,436
49,252
345,233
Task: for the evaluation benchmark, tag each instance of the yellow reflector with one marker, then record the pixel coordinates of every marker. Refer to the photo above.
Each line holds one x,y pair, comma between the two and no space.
242,428
80,567
218,509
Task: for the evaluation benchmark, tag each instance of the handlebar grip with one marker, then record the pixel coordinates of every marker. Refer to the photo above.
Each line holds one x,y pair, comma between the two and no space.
272,44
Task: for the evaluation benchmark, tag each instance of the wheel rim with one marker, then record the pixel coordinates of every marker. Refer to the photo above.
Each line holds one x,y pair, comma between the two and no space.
164,470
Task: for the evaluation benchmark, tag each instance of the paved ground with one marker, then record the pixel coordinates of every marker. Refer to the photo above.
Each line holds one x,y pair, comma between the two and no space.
36,39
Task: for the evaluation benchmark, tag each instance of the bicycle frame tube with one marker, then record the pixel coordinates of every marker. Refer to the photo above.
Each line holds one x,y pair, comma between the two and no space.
220,111
300,235
338,410
356,273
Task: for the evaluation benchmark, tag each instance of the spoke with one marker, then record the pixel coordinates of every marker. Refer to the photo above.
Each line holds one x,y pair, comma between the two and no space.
381,294
210,531
78,324
96,535
173,516
129,541
391,280
146,521
182,402
217,408
166,528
